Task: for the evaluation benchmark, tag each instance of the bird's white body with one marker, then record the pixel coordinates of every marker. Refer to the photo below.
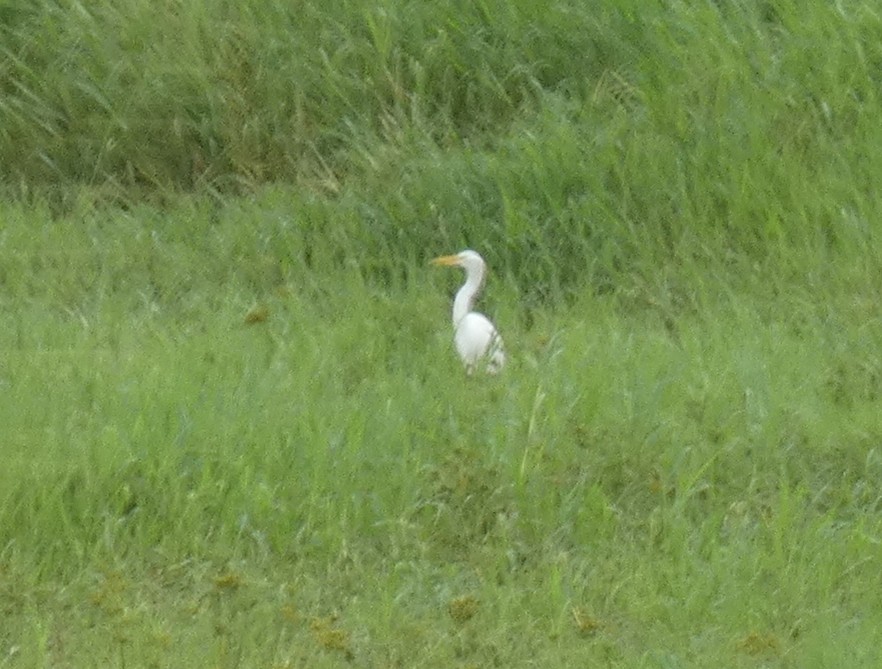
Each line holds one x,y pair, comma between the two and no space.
477,341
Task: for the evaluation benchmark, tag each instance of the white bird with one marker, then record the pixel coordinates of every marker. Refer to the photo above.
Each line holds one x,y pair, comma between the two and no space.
477,341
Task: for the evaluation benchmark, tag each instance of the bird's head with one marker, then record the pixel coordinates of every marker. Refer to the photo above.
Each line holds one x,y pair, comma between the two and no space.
469,260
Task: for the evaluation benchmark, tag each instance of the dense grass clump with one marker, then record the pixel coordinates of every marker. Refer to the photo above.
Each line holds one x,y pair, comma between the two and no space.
235,432
608,131
222,93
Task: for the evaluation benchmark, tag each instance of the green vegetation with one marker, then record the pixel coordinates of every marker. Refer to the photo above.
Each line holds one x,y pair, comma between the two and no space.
235,432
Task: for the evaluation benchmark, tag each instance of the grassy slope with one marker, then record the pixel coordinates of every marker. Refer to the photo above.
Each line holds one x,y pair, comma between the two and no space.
679,468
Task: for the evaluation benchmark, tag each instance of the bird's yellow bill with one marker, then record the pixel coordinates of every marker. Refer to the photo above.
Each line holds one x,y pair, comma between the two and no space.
445,261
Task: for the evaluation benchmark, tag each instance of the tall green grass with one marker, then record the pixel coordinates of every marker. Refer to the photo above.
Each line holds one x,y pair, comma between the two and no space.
546,133
234,428
657,118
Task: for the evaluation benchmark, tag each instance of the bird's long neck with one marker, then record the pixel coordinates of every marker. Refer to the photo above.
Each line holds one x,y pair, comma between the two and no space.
465,296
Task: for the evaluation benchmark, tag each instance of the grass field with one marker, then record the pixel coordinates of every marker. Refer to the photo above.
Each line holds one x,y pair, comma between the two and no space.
235,431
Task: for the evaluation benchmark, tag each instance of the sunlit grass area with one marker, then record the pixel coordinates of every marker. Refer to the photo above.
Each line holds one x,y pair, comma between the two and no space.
284,467
235,429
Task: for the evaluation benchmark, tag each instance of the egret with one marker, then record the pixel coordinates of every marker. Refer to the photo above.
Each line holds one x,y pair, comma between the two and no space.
476,339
